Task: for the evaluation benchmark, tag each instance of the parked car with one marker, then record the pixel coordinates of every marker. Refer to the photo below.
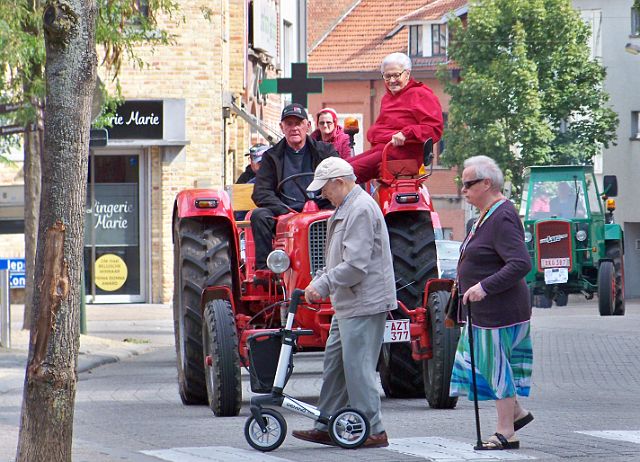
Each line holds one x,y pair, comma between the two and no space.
448,254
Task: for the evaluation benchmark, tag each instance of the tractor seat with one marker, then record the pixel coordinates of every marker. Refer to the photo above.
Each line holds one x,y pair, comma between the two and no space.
404,168
241,202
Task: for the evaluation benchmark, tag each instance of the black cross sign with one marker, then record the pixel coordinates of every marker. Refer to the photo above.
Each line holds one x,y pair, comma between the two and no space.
300,84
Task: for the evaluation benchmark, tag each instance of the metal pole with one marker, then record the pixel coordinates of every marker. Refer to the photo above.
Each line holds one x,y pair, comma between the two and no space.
83,308
5,310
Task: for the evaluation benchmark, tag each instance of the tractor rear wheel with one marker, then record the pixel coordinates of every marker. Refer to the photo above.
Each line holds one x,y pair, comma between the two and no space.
413,247
614,252
202,257
606,288
222,371
444,342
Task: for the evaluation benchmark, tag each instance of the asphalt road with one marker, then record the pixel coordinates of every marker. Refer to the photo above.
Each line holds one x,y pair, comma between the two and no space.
586,383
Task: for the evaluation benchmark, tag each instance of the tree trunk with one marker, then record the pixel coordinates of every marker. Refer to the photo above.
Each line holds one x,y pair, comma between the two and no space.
32,173
46,425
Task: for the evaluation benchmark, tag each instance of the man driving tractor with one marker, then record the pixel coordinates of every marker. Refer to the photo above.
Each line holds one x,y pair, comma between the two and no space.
296,153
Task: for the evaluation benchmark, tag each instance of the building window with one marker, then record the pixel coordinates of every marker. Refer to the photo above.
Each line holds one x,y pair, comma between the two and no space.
438,39
635,125
635,22
415,40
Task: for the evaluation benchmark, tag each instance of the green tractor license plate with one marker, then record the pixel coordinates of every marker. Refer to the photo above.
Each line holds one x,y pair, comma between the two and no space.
556,275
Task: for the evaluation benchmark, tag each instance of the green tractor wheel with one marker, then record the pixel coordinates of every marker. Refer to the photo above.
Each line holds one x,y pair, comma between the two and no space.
606,288
614,252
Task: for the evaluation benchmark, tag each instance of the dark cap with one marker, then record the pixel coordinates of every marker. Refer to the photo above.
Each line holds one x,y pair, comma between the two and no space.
295,110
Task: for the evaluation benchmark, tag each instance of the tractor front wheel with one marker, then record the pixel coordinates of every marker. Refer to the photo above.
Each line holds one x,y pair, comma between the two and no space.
606,288
614,252
222,360
444,342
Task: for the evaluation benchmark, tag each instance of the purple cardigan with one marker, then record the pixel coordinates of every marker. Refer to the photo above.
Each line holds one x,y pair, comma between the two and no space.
496,256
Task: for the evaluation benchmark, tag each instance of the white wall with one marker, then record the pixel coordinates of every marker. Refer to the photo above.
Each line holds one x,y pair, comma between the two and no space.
622,84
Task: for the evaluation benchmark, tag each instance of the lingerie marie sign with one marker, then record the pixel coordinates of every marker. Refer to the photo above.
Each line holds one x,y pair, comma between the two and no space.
141,120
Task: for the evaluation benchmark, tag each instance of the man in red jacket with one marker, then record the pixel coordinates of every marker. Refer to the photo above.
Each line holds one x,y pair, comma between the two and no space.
410,113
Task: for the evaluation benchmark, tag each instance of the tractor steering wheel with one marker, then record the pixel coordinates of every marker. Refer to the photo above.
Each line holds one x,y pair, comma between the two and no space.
293,178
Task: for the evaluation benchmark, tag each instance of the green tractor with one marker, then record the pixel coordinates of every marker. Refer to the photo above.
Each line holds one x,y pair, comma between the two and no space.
570,233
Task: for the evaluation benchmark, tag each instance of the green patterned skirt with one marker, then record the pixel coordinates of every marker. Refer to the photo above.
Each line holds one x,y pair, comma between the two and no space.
503,358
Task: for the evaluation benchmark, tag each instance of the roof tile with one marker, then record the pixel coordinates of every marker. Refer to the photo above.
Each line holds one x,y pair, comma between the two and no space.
359,43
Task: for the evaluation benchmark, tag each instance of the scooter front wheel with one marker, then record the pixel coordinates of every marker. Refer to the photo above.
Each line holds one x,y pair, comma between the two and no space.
274,434
349,428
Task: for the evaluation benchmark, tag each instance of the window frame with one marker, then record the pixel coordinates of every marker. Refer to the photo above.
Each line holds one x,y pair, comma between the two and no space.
415,40
437,34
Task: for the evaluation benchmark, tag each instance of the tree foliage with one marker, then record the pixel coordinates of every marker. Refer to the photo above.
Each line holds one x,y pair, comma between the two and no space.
121,26
528,92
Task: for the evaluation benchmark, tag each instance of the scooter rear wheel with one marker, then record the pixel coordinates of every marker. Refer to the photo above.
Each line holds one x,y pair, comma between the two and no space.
272,437
349,428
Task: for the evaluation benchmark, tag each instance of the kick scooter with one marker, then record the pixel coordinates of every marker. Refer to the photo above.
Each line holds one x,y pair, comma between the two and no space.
266,429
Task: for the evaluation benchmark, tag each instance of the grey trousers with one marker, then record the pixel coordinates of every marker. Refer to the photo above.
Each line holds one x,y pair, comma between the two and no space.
349,377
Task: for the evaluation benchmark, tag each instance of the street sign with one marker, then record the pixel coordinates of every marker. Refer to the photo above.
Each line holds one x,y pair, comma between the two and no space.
9,107
98,137
13,129
17,280
299,85
16,267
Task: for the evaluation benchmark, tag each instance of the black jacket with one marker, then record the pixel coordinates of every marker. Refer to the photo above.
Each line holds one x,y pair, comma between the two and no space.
246,176
271,170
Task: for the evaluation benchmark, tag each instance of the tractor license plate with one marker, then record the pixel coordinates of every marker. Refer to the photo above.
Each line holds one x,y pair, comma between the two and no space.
397,330
556,275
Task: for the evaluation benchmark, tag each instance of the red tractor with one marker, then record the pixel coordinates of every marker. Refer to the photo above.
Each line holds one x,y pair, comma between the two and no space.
220,300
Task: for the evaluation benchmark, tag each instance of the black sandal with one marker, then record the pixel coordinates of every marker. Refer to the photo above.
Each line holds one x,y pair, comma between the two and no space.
499,443
522,421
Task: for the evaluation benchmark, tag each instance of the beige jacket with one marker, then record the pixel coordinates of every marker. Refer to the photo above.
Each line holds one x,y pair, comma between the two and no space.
358,275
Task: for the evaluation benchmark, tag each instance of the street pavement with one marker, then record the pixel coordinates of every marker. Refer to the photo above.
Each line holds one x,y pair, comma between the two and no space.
584,397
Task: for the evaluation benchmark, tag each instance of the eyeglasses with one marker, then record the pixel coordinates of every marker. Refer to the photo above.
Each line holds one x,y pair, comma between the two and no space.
328,124
395,76
468,184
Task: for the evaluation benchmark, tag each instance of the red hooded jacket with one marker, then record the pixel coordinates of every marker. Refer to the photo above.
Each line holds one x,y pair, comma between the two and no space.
415,111
340,141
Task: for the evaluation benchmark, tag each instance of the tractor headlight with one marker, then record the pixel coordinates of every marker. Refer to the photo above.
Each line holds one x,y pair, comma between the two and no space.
278,261
527,236
581,235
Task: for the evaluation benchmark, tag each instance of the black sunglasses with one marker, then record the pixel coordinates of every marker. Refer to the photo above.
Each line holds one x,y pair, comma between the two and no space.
468,184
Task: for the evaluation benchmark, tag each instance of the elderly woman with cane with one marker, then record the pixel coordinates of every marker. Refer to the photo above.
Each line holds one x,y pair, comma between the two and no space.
491,270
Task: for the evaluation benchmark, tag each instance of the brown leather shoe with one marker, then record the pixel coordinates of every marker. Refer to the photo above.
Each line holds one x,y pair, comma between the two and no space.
376,441
314,436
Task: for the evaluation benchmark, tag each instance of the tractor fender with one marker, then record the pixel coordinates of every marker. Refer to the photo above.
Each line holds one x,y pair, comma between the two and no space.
613,232
217,293
434,285
186,204
388,197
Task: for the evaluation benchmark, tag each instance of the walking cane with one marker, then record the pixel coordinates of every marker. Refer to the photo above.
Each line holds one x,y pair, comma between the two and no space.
479,445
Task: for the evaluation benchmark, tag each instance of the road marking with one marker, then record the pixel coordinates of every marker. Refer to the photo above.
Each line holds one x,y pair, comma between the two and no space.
618,435
443,449
429,448
212,454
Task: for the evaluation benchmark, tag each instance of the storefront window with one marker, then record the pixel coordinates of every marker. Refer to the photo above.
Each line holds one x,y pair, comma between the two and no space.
112,228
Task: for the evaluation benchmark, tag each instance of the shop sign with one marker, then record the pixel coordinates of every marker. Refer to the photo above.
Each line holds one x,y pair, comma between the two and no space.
265,26
137,120
113,216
